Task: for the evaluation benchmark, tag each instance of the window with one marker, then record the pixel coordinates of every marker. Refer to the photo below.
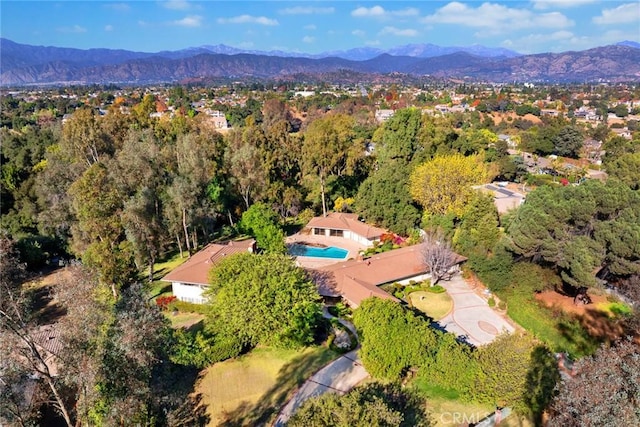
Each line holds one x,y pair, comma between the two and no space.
336,233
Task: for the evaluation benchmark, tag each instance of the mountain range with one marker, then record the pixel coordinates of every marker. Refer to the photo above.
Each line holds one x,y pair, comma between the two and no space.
22,64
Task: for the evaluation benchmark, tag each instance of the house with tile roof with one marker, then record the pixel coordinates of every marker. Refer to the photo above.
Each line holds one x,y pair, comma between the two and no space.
356,280
345,225
189,280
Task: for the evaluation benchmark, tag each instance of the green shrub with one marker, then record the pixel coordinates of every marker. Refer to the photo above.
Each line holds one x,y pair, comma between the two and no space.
436,289
201,350
502,305
491,302
620,309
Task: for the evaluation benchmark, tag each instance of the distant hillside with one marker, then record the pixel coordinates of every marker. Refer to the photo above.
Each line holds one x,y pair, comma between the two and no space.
27,65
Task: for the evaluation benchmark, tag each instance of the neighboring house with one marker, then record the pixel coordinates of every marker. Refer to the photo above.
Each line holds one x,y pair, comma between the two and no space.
384,115
504,199
345,225
189,280
218,119
356,280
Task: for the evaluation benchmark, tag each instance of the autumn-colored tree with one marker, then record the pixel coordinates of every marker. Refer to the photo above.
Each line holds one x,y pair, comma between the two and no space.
445,184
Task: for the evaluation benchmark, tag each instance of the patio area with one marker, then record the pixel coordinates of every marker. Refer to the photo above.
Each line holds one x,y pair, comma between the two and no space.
352,246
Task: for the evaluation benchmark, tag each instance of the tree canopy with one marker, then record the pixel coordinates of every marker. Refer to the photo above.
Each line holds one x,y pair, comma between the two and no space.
264,224
263,299
444,185
393,339
373,404
573,229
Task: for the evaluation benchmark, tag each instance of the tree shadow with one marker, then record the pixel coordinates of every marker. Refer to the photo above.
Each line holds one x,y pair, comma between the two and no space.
47,309
578,338
542,377
290,378
180,405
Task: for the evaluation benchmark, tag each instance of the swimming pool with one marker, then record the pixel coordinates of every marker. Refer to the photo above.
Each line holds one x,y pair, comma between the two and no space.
312,251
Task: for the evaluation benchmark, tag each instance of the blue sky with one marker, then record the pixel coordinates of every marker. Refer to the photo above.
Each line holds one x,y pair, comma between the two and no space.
316,26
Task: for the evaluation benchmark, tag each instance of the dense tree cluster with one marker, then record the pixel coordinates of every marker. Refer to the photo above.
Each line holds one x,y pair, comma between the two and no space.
109,363
513,370
373,404
263,299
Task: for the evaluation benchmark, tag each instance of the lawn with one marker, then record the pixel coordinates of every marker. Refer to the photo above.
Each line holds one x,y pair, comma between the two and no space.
433,305
559,331
447,409
158,287
183,320
251,389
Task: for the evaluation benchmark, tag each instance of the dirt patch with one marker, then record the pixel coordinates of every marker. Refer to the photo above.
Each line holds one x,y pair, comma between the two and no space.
565,303
592,317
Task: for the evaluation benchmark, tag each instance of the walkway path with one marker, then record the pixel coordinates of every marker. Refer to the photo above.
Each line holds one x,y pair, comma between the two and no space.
339,376
471,316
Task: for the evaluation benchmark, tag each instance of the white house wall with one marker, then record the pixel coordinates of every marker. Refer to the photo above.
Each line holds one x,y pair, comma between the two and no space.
188,293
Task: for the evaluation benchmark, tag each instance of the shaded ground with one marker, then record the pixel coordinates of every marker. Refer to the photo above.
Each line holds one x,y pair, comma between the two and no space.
251,389
339,376
595,318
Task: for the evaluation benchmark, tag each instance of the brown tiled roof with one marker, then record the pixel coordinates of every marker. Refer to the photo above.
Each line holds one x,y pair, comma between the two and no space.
357,280
196,269
346,221
48,337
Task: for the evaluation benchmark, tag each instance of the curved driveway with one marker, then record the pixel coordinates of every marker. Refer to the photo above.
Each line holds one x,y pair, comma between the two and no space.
471,317
339,376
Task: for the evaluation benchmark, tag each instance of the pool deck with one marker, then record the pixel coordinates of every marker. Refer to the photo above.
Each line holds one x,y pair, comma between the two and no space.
312,262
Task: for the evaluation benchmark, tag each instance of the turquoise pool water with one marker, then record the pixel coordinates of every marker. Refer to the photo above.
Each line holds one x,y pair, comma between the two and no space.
312,251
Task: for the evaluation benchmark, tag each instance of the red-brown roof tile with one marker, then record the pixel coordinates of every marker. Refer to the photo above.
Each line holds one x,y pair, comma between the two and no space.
346,221
196,269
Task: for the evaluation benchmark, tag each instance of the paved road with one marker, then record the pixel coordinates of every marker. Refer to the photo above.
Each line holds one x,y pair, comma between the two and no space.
339,376
471,316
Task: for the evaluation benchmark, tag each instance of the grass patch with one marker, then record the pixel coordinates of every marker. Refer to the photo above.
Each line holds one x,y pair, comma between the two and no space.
559,331
433,305
183,320
615,309
444,404
157,287
251,389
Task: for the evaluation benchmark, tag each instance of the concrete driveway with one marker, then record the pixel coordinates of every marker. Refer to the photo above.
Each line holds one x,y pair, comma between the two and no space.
339,376
471,316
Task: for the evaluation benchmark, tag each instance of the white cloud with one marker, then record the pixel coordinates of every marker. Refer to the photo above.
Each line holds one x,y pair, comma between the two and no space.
408,32
310,27
307,10
496,18
559,4
308,39
73,29
358,33
176,4
372,43
623,14
380,12
108,27
118,7
248,19
189,21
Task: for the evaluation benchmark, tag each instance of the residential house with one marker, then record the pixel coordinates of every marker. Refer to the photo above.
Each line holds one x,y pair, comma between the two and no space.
189,280
345,225
384,115
356,280
504,199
